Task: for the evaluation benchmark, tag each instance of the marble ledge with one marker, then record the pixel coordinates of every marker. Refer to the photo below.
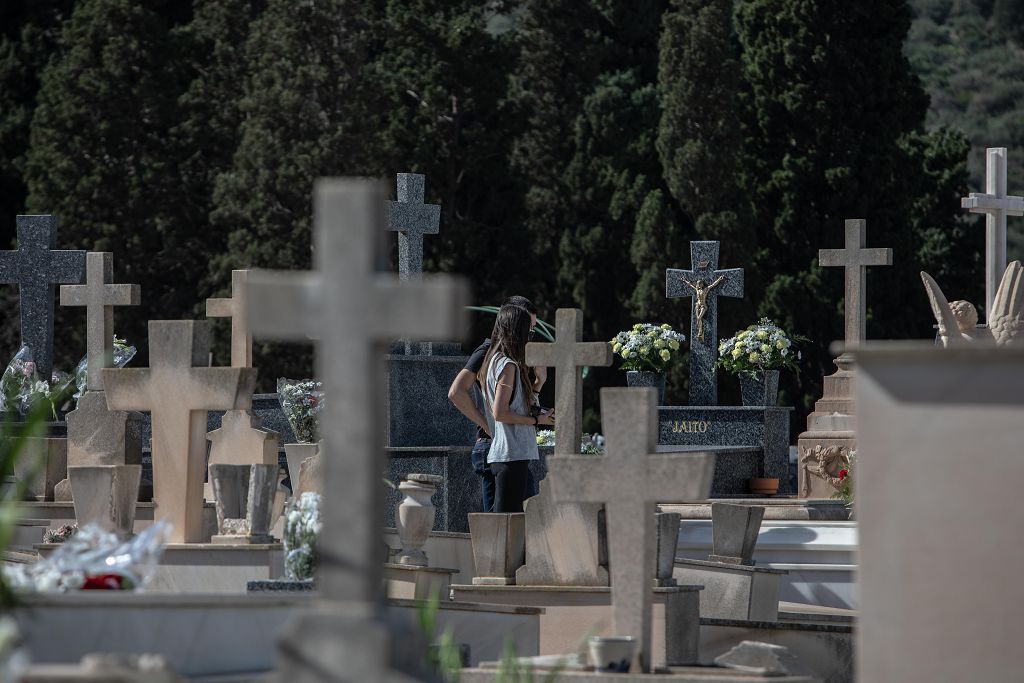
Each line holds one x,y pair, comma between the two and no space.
708,564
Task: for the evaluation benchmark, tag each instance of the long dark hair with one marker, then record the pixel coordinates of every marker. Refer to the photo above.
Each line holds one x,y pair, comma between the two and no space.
510,335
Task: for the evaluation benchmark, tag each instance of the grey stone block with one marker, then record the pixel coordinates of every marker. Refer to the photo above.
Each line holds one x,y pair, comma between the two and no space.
668,540
106,495
419,412
499,546
760,658
733,591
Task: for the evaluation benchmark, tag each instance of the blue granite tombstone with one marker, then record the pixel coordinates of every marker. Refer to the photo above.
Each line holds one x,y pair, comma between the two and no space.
36,266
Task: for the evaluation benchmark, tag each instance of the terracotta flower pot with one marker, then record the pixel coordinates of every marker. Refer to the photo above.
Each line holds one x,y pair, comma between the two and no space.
764,486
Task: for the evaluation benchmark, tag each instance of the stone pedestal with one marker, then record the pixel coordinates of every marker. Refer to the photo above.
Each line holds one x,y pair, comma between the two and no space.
240,440
106,495
499,546
825,447
98,436
733,591
757,437
244,496
43,464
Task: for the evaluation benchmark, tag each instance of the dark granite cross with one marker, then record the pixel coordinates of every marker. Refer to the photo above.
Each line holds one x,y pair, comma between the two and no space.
705,283
412,219
566,356
630,479
855,259
36,266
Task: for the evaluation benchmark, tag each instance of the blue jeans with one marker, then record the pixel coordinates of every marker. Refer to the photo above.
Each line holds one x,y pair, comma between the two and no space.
483,470
479,459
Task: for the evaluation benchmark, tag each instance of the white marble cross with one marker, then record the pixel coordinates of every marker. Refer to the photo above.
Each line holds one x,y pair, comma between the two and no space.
566,355
178,389
855,258
354,313
412,219
996,205
630,479
99,296
234,308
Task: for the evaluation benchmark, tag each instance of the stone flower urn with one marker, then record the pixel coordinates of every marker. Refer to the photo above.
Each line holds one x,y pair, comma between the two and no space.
295,454
647,378
415,516
760,390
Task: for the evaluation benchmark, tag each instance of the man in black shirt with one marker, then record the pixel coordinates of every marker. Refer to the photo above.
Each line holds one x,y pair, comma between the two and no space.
460,394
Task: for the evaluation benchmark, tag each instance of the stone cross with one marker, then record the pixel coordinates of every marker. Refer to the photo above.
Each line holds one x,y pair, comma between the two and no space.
630,479
566,355
36,266
99,296
705,283
412,219
178,389
354,313
855,258
234,308
996,205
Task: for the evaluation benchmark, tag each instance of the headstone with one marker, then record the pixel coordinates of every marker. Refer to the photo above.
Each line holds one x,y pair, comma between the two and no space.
354,313
704,282
36,266
564,543
412,219
178,389
106,495
668,541
996,205
824,449
240,440
939,585
311,477
630,479
43,465
499,546
234,308
96,435
854,259
244,496
734,530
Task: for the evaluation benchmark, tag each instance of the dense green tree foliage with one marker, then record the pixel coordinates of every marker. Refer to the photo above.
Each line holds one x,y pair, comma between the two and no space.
575,148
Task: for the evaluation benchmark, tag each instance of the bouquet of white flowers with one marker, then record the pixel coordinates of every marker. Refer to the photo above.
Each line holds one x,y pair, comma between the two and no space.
760,347
302,401
301,529
648,347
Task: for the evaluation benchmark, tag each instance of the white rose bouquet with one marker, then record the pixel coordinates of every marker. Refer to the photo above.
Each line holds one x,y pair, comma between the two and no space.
760,347
648,347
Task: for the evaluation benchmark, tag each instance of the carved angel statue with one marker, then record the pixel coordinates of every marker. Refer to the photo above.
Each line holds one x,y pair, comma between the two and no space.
958,320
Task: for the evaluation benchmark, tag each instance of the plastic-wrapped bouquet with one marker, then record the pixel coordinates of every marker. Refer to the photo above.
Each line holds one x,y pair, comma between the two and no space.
123,352
94,559
301,529
760,347
302,401
648,347
21,387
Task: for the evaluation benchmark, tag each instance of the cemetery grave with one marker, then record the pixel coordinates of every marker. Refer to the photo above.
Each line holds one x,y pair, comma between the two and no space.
653,552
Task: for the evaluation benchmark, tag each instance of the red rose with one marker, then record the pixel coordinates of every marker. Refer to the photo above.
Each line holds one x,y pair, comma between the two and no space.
103,582
843,473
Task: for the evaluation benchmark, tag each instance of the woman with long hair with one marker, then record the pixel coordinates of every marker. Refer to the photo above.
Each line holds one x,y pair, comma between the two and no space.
509,394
